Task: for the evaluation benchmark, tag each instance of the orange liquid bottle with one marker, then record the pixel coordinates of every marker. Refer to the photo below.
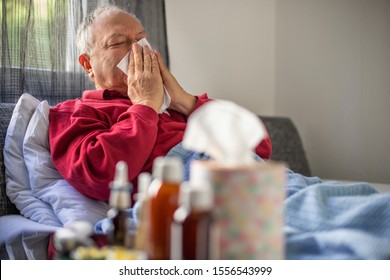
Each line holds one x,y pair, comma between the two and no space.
163,201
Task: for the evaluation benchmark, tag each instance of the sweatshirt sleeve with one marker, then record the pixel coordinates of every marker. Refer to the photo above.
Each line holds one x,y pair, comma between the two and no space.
264,149
86,145
201,100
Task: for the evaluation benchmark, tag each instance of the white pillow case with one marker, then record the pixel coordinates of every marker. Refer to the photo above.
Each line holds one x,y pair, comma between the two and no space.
47,183
16,173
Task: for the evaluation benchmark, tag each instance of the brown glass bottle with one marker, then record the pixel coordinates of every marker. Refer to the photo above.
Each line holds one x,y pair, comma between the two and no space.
163,202
119,202
192,224
119,230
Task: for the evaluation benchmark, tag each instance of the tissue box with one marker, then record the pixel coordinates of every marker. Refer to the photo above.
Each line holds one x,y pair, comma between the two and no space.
248,208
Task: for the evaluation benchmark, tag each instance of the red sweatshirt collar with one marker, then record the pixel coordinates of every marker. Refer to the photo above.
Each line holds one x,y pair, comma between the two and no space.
103,94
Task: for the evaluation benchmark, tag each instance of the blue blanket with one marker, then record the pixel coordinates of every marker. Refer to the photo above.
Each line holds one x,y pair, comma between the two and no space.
323,220
331,220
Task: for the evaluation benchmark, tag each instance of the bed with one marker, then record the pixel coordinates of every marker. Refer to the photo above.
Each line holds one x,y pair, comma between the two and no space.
324,219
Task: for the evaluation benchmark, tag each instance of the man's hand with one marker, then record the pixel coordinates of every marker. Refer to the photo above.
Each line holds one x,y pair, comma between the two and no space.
182,101
144,78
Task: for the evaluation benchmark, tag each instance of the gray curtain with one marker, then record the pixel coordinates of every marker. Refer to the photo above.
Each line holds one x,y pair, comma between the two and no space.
38,52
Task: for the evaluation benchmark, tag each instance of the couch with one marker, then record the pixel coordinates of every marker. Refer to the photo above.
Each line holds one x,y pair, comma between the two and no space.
287,147
347,203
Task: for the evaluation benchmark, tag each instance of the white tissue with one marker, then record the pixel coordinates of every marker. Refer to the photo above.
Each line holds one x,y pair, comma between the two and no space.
225,131
124,63
124,66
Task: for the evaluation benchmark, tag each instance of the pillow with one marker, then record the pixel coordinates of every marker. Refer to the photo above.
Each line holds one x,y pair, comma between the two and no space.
47,183
17,178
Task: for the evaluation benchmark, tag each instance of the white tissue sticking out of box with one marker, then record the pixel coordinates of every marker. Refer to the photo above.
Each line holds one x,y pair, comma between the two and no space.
124,66
225,131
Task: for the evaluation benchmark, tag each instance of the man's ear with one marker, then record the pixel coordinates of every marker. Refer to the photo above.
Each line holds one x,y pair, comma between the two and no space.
85,63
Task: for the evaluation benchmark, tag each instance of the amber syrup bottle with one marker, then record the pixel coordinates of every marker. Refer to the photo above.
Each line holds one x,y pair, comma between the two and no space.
119,202
192,223
163,201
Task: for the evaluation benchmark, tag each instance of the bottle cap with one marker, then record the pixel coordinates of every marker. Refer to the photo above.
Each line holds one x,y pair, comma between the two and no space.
65,240
168,169
83,229
121,174
144,180
198,197
120,187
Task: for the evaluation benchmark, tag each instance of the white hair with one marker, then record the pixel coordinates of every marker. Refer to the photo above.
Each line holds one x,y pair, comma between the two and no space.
84,38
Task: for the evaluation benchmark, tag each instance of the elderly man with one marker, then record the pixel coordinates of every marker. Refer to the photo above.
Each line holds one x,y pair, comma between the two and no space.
119,120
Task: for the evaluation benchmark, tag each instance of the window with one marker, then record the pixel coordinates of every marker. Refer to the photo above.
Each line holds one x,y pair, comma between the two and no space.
38,51
32,30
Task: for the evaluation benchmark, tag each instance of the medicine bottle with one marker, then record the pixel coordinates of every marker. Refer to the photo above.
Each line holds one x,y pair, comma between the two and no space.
141,209
192,223
163,201
65,241
119,202
72,236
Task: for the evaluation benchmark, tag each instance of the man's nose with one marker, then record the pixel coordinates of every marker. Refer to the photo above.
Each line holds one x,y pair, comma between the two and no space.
131,43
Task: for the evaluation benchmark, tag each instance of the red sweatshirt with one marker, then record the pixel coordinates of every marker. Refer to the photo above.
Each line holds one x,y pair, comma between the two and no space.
89,135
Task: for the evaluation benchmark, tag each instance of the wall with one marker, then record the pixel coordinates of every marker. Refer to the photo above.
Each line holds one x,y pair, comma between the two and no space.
324,63
333,79
215,48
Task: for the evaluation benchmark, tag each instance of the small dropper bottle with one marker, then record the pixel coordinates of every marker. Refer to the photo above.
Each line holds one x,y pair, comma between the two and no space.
119,202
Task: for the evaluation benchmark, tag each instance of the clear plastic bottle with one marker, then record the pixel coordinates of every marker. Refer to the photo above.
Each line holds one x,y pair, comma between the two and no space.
120,202
142,213
163,194
192,223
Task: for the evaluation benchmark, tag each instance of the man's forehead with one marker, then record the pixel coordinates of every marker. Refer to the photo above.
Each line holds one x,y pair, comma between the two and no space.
120,20
116,24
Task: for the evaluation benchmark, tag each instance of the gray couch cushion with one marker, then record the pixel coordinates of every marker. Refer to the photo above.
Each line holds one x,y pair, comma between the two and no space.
6,206
286,144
